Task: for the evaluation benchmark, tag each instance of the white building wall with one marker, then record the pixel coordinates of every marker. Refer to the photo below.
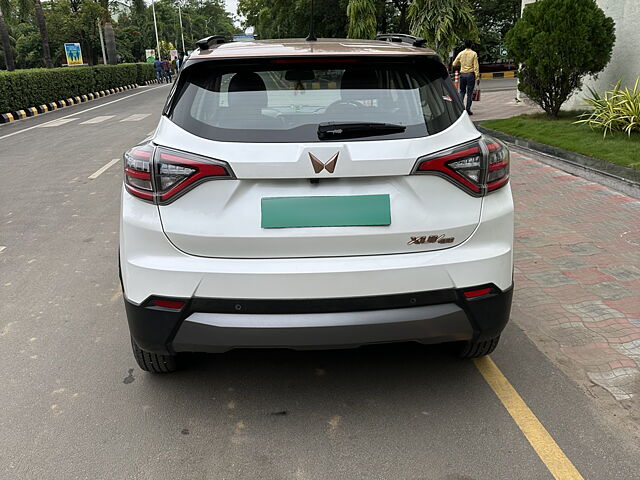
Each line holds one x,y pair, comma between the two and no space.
625,60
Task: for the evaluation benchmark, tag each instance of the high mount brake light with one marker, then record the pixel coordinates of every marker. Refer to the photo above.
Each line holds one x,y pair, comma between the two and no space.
478,167
174,172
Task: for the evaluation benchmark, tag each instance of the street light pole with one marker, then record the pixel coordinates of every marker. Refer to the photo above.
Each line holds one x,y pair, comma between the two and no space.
155,25
181,29
104,55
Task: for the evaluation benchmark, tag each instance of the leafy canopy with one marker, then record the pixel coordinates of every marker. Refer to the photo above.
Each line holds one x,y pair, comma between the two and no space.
445,24
558,43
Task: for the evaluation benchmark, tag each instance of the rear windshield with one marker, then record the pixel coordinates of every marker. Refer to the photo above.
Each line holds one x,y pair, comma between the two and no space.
286,100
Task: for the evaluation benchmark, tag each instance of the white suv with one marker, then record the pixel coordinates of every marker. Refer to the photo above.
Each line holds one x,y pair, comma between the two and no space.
314,194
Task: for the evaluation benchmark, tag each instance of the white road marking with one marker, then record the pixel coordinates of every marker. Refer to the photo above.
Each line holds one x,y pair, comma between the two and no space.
98,119
2,249
58,122
103,169
82,111
136,117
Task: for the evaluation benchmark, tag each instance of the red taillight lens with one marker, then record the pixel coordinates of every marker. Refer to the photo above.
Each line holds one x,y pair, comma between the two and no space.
498,174
461,164
477,293
472,166
137,171
162,175
172,304
177,171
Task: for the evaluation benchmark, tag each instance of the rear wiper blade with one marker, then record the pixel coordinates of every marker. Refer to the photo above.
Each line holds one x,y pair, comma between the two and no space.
331,130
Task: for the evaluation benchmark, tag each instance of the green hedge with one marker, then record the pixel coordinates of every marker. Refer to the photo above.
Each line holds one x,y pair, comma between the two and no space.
28,88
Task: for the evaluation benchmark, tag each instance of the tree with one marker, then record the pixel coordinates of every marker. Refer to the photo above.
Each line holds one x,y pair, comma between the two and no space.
362,19
443,23
558,43
494,18
44,36
5,7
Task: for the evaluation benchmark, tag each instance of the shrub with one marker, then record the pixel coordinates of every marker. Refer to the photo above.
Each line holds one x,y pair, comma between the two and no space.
557,43
617,110
28,88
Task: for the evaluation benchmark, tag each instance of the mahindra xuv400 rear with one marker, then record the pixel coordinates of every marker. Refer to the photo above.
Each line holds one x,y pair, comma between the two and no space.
314,195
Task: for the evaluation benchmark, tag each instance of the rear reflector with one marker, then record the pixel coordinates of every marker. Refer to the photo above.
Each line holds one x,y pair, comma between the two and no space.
477,293
172,304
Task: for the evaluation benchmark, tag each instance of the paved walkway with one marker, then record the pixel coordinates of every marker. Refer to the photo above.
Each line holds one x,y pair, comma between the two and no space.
503,104
577,274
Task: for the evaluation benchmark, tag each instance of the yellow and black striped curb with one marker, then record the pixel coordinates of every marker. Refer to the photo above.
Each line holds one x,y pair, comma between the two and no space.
40,109
489,75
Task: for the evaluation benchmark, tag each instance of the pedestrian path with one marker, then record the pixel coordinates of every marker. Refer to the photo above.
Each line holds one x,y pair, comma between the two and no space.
502,104
577,275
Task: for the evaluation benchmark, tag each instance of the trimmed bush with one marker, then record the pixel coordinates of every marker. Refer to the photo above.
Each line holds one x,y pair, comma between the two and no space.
557,43
28,88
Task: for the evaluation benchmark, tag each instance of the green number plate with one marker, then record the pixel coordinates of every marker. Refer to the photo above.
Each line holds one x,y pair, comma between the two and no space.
350,211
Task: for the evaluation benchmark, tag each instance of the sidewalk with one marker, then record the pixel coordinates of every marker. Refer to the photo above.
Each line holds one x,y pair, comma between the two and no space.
503,104
577,277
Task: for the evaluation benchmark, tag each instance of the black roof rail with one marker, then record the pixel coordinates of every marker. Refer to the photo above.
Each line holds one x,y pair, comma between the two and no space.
402,38
207,42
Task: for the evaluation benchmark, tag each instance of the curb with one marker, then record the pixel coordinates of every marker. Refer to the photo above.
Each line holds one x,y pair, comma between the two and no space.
489,75
40,109
618,177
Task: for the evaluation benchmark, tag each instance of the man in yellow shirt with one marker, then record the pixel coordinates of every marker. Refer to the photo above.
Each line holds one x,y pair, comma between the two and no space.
467,60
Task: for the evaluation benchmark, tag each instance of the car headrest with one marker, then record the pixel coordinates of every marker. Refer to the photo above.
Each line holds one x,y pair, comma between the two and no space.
359,79
247,82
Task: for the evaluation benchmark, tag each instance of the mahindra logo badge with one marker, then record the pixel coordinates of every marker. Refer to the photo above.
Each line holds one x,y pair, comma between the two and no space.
318,165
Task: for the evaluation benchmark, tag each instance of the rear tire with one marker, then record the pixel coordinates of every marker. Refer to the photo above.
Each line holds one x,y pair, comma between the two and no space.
475,349
153,362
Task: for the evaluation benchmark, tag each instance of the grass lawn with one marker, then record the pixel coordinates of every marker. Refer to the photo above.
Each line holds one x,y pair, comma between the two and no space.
617,148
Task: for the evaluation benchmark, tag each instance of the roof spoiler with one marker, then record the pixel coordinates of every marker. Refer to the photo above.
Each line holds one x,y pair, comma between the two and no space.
207,42
402,38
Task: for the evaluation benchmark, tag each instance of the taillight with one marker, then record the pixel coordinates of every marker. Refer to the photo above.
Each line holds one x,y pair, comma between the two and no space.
498,174
137,171
161,175
478,167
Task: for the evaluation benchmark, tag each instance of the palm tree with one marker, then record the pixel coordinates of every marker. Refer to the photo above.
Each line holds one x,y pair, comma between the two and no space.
110,43
4,33
362,19
109,35
44,36
443,23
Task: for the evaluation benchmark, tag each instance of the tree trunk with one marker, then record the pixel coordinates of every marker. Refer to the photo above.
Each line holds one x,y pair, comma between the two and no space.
110,44
44,36
6,44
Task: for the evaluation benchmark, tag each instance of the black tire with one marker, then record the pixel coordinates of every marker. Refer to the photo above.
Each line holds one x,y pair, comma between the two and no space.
478,349
153,362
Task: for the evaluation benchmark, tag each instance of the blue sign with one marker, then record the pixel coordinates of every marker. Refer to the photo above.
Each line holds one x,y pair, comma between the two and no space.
74,54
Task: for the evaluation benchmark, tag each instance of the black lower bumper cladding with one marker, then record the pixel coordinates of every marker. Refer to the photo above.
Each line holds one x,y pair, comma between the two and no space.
154,328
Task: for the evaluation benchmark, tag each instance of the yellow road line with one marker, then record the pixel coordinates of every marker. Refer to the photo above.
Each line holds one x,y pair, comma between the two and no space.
545,446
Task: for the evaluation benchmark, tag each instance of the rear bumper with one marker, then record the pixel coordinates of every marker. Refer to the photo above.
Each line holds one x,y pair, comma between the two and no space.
218,325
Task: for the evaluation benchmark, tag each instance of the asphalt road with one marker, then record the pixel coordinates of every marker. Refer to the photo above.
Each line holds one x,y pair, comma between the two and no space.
498,84
75,405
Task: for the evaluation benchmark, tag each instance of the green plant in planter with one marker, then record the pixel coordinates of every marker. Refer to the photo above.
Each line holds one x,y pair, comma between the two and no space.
617,110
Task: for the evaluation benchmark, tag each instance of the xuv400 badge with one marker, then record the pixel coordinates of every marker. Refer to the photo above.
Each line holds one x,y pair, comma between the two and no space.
430,239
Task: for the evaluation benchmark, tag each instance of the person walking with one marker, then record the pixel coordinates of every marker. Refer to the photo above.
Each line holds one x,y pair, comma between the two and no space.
174,65
467,60
166,66
157,66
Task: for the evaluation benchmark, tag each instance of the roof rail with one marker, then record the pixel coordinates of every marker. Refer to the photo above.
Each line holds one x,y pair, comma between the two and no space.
402,38
207,42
